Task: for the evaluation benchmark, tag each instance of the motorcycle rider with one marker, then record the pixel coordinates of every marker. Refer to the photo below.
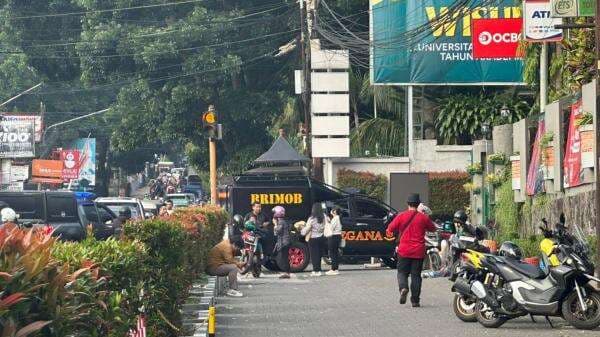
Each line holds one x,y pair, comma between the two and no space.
411,226
267,239
124,216
237,226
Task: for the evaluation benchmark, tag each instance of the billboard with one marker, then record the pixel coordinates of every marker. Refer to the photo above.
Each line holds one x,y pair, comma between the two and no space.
35,119
87,159
429,42
16,139
46,171
71,163
538,25
494,38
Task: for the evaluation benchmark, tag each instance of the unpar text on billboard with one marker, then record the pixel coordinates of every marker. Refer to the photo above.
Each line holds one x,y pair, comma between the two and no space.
429,43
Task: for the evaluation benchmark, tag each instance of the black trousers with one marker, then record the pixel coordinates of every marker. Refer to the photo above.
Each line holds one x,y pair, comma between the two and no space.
412,267
316,247
333,243
283,259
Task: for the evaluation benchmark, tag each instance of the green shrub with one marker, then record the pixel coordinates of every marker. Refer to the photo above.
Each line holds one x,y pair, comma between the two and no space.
373,185
506,213
447,193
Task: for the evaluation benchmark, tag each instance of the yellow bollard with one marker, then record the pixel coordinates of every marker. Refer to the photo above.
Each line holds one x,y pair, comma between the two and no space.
211,321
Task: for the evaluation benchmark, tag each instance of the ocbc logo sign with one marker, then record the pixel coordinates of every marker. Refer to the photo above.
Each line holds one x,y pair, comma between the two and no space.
485,38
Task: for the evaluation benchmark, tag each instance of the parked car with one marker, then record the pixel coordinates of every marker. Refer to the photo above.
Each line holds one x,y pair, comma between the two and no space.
151,206
181,199
53,208
194,185
100,217
116,203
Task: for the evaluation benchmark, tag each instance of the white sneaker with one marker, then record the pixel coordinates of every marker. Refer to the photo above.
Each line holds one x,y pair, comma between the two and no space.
234,293
332,273
316,273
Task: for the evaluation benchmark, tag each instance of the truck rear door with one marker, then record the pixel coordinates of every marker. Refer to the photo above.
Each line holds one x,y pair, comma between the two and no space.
368,237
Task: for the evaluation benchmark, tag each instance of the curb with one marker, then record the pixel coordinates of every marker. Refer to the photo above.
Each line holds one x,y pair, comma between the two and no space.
199,308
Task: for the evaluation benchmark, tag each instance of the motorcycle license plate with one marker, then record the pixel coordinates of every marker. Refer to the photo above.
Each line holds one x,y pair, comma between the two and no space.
467,238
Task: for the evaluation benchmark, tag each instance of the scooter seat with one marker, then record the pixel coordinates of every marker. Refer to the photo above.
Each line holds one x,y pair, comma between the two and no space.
526,269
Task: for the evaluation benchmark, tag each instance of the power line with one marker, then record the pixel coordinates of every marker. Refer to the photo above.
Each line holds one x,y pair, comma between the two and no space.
105,10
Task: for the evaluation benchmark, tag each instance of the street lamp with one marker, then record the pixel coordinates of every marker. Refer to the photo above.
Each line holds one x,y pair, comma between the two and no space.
485,129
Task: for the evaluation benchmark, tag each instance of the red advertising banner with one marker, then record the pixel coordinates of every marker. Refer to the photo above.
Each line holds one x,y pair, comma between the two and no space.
572,165
496,38
71,164
535,174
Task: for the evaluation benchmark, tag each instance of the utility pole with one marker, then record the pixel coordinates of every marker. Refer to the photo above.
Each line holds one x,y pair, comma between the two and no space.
305,54
307,18
597,136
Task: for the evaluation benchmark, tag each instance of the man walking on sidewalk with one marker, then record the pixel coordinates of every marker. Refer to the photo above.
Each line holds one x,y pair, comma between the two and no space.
221,262
411,226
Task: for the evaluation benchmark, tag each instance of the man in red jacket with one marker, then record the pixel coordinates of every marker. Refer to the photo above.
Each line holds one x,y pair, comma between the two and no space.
411,226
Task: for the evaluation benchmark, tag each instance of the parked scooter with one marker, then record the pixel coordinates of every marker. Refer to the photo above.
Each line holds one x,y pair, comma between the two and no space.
512,288
251,253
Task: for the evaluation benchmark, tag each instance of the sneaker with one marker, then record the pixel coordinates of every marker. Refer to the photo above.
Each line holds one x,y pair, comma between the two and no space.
234,293
284,276
403,295
316,273
332,273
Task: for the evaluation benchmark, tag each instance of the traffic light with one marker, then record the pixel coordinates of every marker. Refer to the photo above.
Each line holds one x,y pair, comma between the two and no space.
209,122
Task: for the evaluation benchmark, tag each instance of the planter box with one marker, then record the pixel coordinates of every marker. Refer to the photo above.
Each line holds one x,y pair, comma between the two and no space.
548,162
586,133
516,172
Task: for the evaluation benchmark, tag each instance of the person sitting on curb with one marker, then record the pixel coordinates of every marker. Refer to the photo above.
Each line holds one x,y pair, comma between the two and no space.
221,262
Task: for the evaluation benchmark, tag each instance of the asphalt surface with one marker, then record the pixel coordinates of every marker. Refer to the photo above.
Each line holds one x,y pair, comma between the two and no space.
357,303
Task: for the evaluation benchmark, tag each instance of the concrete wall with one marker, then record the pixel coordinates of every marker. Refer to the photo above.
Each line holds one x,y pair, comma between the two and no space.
521,144
429,157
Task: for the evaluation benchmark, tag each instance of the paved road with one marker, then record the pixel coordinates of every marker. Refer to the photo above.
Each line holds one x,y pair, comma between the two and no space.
356,303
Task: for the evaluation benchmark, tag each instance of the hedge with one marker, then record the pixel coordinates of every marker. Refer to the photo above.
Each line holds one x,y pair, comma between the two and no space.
371,184
446,193
96,288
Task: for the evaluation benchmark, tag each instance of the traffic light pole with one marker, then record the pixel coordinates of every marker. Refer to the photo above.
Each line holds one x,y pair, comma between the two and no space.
212,151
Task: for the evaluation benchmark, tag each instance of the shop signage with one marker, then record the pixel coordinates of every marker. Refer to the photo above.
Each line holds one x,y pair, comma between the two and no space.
46,171
442,54
538,24
71,164
16,139
573,8
496,38
37,121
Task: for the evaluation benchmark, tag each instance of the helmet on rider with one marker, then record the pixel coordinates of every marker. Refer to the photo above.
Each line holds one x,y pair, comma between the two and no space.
8,215
460,216
250,225
278,212
238,220
125,212
511,250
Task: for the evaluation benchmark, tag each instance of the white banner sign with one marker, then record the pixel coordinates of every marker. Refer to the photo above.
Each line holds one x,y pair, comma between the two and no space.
538,25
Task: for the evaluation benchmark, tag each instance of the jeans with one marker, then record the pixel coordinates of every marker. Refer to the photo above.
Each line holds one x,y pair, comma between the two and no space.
283,259
333,243
413,267
229,270
316,247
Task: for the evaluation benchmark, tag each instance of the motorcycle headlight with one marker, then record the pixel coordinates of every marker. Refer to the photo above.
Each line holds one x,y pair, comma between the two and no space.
569,261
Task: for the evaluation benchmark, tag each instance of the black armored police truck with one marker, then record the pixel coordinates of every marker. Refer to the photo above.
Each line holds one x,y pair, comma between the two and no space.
364,219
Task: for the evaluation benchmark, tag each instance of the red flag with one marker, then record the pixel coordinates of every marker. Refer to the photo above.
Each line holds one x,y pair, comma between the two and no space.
572,164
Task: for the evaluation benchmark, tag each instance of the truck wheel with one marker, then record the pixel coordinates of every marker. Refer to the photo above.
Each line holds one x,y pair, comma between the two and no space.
391,262
298,256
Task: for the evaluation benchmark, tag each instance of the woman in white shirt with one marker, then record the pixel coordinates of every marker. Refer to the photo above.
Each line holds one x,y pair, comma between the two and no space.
314,228
333,232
